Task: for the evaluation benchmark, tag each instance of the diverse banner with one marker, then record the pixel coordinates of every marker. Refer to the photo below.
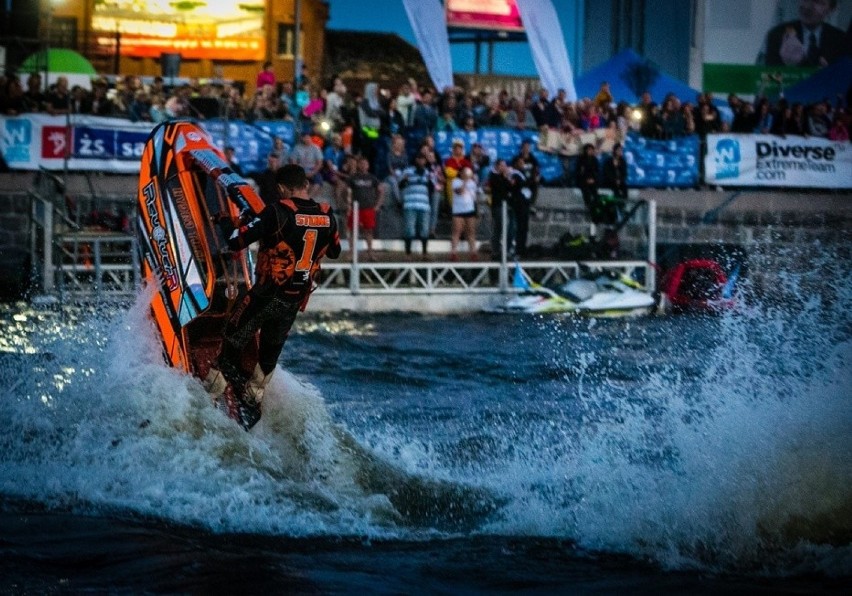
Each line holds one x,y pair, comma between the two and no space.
767,160
433,41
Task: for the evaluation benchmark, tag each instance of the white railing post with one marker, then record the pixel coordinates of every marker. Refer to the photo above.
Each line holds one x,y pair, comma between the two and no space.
48,274
651,279
504,249
354,281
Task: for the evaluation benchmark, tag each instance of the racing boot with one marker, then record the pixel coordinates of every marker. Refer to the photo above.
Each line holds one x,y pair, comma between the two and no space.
215,383
256,385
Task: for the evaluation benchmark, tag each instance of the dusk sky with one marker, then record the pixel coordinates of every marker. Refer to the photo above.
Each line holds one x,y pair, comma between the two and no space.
389,16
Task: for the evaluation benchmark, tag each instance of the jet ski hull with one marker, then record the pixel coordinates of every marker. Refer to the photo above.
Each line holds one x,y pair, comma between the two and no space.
185,186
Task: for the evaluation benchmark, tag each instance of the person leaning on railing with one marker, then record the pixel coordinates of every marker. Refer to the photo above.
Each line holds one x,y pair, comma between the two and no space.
615,172
12,101
34,96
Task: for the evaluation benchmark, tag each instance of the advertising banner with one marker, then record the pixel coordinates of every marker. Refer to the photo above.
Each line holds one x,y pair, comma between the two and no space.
501,143
91,143
763,47
251,142
222,30
115,145
767,160
662,164
496,15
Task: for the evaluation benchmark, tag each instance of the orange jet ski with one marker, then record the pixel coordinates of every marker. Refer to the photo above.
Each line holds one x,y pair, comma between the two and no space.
185,186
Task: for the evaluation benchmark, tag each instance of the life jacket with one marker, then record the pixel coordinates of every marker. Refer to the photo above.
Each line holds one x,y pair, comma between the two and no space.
288,260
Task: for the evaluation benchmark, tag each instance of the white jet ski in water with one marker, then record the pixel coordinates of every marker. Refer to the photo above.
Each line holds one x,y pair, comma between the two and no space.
602,296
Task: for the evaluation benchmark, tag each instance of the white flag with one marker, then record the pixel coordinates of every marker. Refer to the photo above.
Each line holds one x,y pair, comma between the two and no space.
430,29
547,43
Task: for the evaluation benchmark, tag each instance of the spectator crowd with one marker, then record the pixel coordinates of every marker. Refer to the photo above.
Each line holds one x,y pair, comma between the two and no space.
415,108
376,146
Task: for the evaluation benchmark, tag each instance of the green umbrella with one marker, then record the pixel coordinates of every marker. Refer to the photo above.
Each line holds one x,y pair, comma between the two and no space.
61,62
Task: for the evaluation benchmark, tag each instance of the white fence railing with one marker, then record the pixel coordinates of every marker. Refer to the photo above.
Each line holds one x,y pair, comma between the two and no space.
452,277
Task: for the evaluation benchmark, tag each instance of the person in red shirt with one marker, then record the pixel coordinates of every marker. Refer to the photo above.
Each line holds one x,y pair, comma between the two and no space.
265,76
366,190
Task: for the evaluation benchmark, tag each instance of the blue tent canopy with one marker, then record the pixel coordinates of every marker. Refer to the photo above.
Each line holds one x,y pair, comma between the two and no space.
629,75
826,83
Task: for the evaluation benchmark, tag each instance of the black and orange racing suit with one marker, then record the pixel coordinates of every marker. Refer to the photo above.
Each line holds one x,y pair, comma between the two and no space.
294,235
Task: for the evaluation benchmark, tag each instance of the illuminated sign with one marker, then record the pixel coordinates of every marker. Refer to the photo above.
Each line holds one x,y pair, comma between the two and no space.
500,15
214,29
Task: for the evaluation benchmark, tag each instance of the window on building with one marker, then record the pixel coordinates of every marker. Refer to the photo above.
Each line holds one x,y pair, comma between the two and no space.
287,40
63,32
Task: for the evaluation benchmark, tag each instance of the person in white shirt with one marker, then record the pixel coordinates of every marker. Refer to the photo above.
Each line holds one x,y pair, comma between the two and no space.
334,101
464,213
405,101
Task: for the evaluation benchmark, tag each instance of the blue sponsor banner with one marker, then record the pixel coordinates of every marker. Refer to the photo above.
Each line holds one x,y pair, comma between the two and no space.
17,142
251,142
655,163
129,144
107,142
115,145
501,143
93,142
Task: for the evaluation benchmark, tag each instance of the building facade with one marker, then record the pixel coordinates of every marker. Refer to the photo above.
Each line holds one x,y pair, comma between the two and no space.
227,40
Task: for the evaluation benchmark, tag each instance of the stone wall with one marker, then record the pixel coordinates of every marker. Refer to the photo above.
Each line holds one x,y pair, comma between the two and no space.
769,226
789,232
741,217
14,234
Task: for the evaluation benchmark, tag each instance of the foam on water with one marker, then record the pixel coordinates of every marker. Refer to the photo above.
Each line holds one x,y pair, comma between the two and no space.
747,467
101,426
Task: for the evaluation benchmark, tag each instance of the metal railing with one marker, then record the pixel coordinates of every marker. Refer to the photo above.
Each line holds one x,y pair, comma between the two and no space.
98,265
452,277
473,277
76,264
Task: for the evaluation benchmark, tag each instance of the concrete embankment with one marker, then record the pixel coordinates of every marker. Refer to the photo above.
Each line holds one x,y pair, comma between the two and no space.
767,226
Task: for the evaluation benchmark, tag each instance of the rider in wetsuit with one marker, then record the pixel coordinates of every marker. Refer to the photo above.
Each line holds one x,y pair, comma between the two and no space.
294,234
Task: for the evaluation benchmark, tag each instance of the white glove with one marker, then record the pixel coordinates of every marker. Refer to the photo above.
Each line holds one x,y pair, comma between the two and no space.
792,50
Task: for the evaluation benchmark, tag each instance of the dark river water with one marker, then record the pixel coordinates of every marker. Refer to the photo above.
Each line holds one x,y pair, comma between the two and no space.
463,454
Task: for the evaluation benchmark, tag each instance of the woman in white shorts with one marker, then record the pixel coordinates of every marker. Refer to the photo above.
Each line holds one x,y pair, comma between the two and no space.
464,213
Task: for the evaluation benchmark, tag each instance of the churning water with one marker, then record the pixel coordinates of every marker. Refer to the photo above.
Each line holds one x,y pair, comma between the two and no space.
404,453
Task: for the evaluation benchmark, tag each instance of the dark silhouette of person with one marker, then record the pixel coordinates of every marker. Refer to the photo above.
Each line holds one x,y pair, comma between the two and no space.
615,172
267,179
588,174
